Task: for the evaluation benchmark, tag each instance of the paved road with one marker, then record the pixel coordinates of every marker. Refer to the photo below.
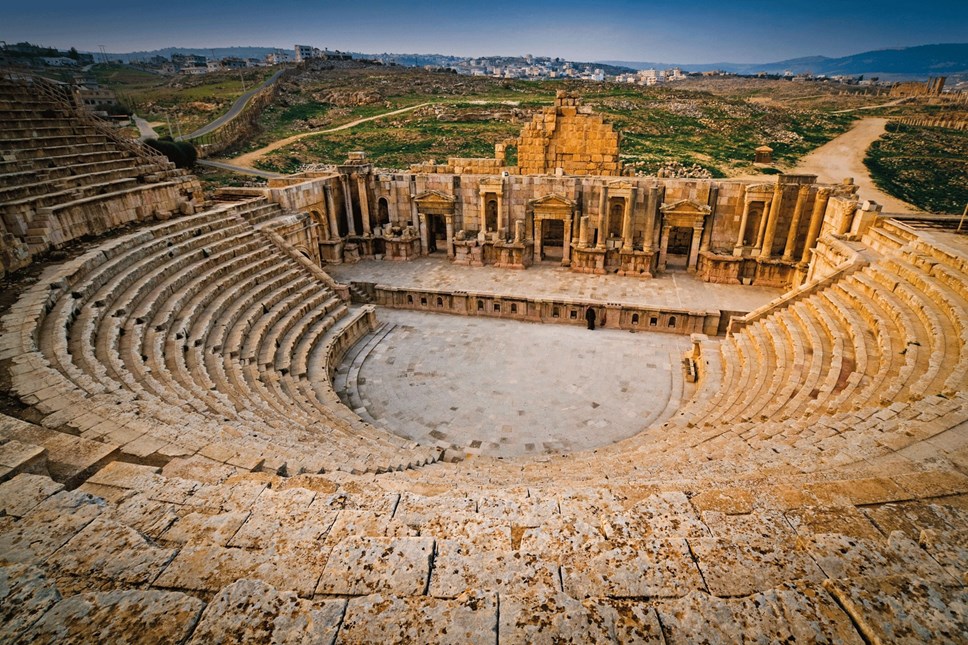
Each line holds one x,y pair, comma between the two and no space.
843,157
144,128
235,109
245,171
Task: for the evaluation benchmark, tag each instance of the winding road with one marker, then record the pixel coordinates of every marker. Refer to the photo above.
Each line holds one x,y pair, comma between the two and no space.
235,109
248,159
843,157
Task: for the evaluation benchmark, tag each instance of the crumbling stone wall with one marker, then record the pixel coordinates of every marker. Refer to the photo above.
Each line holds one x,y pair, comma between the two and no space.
570,137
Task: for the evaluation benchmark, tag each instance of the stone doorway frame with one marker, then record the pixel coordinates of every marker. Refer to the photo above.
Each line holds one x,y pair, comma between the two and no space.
683,213
552,207
434,203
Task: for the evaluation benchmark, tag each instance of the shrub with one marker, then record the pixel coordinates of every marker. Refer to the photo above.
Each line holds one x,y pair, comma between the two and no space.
181,153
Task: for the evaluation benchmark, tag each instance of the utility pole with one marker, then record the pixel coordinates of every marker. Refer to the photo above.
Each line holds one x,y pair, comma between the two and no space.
242,78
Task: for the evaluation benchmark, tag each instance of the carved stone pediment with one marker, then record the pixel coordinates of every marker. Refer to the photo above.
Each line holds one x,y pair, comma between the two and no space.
434,197
760,189
619,184
685,207
491,184
552,201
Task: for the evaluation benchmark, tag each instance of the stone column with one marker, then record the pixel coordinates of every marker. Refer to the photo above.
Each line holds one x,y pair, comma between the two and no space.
331,213
519,232
602,217
583,232
767,249
694,248
738,249
627,224
449,222
651,213
791,240
500,213
709,223
483,211
663,246
816,220
364,204
424,240
537,238
566,249
761,229
348,201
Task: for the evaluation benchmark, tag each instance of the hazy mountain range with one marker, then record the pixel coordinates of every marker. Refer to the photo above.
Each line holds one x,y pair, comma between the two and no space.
908,62
914,62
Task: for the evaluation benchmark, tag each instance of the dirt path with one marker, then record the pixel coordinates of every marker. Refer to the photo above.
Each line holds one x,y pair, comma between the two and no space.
844,157
248,159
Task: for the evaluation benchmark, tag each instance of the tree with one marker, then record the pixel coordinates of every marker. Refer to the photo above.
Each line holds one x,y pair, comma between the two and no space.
72,53
180,153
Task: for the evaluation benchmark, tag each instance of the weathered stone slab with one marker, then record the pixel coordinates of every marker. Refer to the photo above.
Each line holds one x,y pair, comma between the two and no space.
949,549
146,515
111,551
904,610
845,557
285,520
562,540
655,569
118,617
914,517
468,619
25,594
198,468
472,528
765,523
48,527
537,618
17,457
250,611
518,508
228,497
364,565
730,501
740,567
845,520
792,614
209,568
460,567
199,529
24,492
663,515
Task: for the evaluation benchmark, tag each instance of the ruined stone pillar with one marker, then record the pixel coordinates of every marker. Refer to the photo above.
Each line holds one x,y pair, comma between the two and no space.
694,248
566,247
364,204
651,214
537,239
761,229
424,239
791,240
816,220
500,213
331,213
449,222
738,249
519,232
627,224
583,232
767,248
483,212
663,246
348,201
707,229
602,217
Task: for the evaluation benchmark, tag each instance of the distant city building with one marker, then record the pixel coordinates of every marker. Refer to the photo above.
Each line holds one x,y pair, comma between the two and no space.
305,52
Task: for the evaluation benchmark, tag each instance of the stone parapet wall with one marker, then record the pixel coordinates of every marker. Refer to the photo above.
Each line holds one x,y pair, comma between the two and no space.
563,311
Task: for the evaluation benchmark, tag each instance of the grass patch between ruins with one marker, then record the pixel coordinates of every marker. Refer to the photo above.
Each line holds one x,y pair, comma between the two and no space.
924,166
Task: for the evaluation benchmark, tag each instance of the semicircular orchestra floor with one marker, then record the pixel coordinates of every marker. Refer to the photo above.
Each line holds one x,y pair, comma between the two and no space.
507,389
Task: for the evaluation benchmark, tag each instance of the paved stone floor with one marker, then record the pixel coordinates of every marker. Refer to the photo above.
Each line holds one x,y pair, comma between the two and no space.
506,388
672,290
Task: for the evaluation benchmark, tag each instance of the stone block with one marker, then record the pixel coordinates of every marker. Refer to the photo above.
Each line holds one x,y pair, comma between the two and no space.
364,565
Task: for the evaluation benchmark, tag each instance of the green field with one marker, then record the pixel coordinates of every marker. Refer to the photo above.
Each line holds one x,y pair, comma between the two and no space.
924,166
680,123
187,102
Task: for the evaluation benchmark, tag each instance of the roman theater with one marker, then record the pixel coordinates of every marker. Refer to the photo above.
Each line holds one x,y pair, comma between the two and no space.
359,405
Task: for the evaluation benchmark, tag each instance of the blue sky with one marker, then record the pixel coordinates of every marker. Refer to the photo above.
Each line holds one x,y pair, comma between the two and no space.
662,30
